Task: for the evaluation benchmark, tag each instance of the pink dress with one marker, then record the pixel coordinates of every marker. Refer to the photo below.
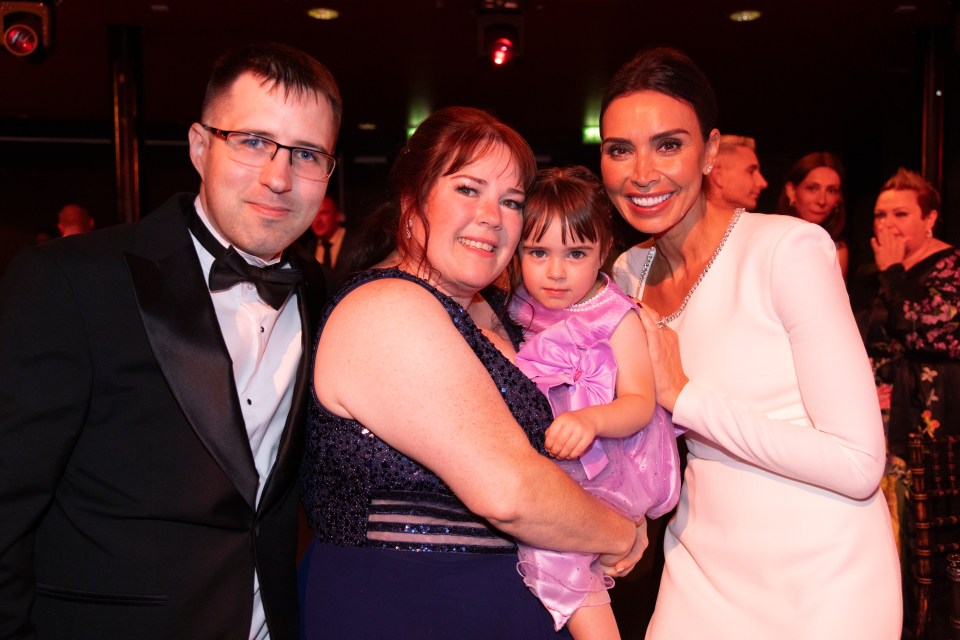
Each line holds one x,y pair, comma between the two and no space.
568,355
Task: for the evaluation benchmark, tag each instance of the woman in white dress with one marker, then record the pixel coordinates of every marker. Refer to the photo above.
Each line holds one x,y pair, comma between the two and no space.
780,531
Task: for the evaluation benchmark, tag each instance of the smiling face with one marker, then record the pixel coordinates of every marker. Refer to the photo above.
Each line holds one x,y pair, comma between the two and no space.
475,217
261,210
559,274
816,197
899,212
653,158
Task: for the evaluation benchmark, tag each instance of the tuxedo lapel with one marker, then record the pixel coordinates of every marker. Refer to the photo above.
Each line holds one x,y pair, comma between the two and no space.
184,333
311,294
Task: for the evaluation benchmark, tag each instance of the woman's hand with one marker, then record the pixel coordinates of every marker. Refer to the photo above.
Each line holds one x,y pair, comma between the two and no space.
619,567
669,378
889,248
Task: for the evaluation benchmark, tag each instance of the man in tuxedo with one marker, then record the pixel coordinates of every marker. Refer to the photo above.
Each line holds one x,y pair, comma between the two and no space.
329,240
153,384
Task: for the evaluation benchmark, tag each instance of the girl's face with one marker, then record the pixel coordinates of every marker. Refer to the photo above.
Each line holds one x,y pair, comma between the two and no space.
559,274
653,159
817,195
475,217
898,212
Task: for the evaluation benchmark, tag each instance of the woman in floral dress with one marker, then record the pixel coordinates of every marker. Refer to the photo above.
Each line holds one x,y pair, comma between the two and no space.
913,327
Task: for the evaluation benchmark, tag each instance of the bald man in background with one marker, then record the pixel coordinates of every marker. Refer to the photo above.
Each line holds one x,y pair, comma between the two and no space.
74,219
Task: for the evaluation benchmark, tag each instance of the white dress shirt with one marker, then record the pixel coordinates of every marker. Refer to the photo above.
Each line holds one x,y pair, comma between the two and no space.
265,346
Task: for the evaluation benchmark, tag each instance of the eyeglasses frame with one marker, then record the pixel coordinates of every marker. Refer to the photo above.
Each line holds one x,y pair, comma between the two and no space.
223,133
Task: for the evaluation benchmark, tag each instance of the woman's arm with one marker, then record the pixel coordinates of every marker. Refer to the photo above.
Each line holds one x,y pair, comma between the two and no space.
391,358
844,449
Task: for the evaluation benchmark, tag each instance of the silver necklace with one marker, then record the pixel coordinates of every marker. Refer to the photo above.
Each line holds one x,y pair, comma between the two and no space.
664,321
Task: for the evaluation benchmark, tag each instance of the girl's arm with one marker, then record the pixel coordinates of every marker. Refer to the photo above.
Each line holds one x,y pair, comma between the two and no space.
632,408
390,358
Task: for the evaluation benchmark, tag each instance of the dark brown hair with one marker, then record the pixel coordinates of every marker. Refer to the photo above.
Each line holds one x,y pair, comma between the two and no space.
281,65
798,173
672,73
572,197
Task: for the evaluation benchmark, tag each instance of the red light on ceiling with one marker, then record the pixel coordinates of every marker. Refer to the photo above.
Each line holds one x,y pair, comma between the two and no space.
501,52
20,40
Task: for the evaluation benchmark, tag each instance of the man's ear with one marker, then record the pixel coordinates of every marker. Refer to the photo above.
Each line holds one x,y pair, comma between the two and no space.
198,143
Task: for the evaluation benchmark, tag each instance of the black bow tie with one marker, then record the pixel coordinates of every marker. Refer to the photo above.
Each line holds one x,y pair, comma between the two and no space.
273,283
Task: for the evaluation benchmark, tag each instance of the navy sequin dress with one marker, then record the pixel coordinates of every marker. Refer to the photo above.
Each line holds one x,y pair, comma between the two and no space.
396,554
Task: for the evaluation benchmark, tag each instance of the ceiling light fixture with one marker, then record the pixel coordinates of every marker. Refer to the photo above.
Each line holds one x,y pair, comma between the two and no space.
323,13
748,15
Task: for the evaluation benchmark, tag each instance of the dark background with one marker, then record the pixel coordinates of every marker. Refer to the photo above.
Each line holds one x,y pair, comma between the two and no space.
841,75
856,77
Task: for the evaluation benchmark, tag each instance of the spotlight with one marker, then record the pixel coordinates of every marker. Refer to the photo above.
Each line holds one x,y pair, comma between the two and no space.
26,28
501,52
20,40
500,31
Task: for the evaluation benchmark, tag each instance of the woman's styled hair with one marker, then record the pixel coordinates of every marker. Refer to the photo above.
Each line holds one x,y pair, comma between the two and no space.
672,73
905,180
445,142
799,171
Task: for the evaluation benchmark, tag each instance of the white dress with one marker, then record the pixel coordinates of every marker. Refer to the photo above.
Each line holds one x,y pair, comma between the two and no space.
781,532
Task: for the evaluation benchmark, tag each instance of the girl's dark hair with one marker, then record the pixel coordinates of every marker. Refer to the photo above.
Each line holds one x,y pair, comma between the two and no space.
672,73
572,197
799,171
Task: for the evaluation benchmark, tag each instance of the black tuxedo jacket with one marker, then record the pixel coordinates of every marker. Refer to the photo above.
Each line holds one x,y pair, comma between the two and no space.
127,484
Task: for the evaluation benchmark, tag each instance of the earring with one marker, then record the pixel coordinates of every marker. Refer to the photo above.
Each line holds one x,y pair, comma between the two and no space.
408,234
708,169
929,233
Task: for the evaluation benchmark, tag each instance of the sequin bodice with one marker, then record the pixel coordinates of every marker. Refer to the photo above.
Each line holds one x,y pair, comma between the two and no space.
359,491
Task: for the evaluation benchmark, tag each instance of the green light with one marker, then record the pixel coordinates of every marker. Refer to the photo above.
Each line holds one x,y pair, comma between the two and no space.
591,134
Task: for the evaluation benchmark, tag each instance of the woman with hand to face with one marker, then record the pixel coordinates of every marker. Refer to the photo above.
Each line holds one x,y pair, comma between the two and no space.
781,531
912,332
425,454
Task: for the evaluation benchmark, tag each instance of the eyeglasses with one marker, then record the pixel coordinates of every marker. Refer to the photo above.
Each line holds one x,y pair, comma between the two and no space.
256,151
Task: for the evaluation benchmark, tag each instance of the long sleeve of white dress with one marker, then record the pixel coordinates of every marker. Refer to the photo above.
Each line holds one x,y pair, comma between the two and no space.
843,451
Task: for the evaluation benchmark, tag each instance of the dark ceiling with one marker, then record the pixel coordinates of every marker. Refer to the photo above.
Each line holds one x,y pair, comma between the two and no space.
838,74
391,55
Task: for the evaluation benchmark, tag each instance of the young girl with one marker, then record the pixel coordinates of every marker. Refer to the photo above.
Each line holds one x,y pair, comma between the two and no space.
587,351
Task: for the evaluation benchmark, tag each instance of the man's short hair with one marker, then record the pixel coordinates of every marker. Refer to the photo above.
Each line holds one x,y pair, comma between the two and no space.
729,143
283,66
